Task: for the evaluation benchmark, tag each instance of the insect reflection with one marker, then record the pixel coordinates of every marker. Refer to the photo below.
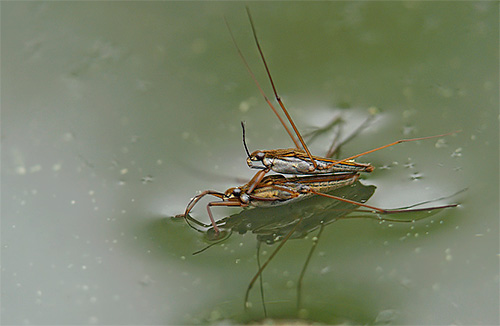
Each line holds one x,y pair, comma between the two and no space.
295,221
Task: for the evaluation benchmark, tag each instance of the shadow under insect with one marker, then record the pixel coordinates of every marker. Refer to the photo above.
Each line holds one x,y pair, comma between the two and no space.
292,221
272,224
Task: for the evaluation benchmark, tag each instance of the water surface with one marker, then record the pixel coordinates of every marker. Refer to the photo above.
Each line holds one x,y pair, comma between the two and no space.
114,114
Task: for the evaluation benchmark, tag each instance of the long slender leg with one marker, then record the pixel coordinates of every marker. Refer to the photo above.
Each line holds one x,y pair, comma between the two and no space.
256,179
334,148
260,280
212,244
306,264
392,144
220,203
194,201
278,98
297,144
381,210
246,303
312,135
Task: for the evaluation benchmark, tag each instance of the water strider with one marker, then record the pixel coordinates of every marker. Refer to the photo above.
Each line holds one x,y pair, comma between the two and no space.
314,179
299,160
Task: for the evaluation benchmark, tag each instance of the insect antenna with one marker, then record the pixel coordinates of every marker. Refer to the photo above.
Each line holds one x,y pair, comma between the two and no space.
244,140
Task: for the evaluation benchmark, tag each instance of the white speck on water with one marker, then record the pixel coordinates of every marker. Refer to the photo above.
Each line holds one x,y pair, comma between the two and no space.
146,280
406,282
457,152
21,170
67,137
416,176
449,257
441,143
408,130
56,167
488,85
409,164
247,104
325,270
445,92
386,316
142,85
244,106
123,171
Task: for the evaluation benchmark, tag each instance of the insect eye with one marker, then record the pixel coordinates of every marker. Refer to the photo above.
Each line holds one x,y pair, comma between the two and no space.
245,199
260,155
237,192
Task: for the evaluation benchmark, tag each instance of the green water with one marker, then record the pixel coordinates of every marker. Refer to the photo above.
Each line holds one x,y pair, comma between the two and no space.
115,114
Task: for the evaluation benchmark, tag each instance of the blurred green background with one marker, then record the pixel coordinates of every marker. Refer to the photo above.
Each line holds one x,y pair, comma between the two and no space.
114,114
